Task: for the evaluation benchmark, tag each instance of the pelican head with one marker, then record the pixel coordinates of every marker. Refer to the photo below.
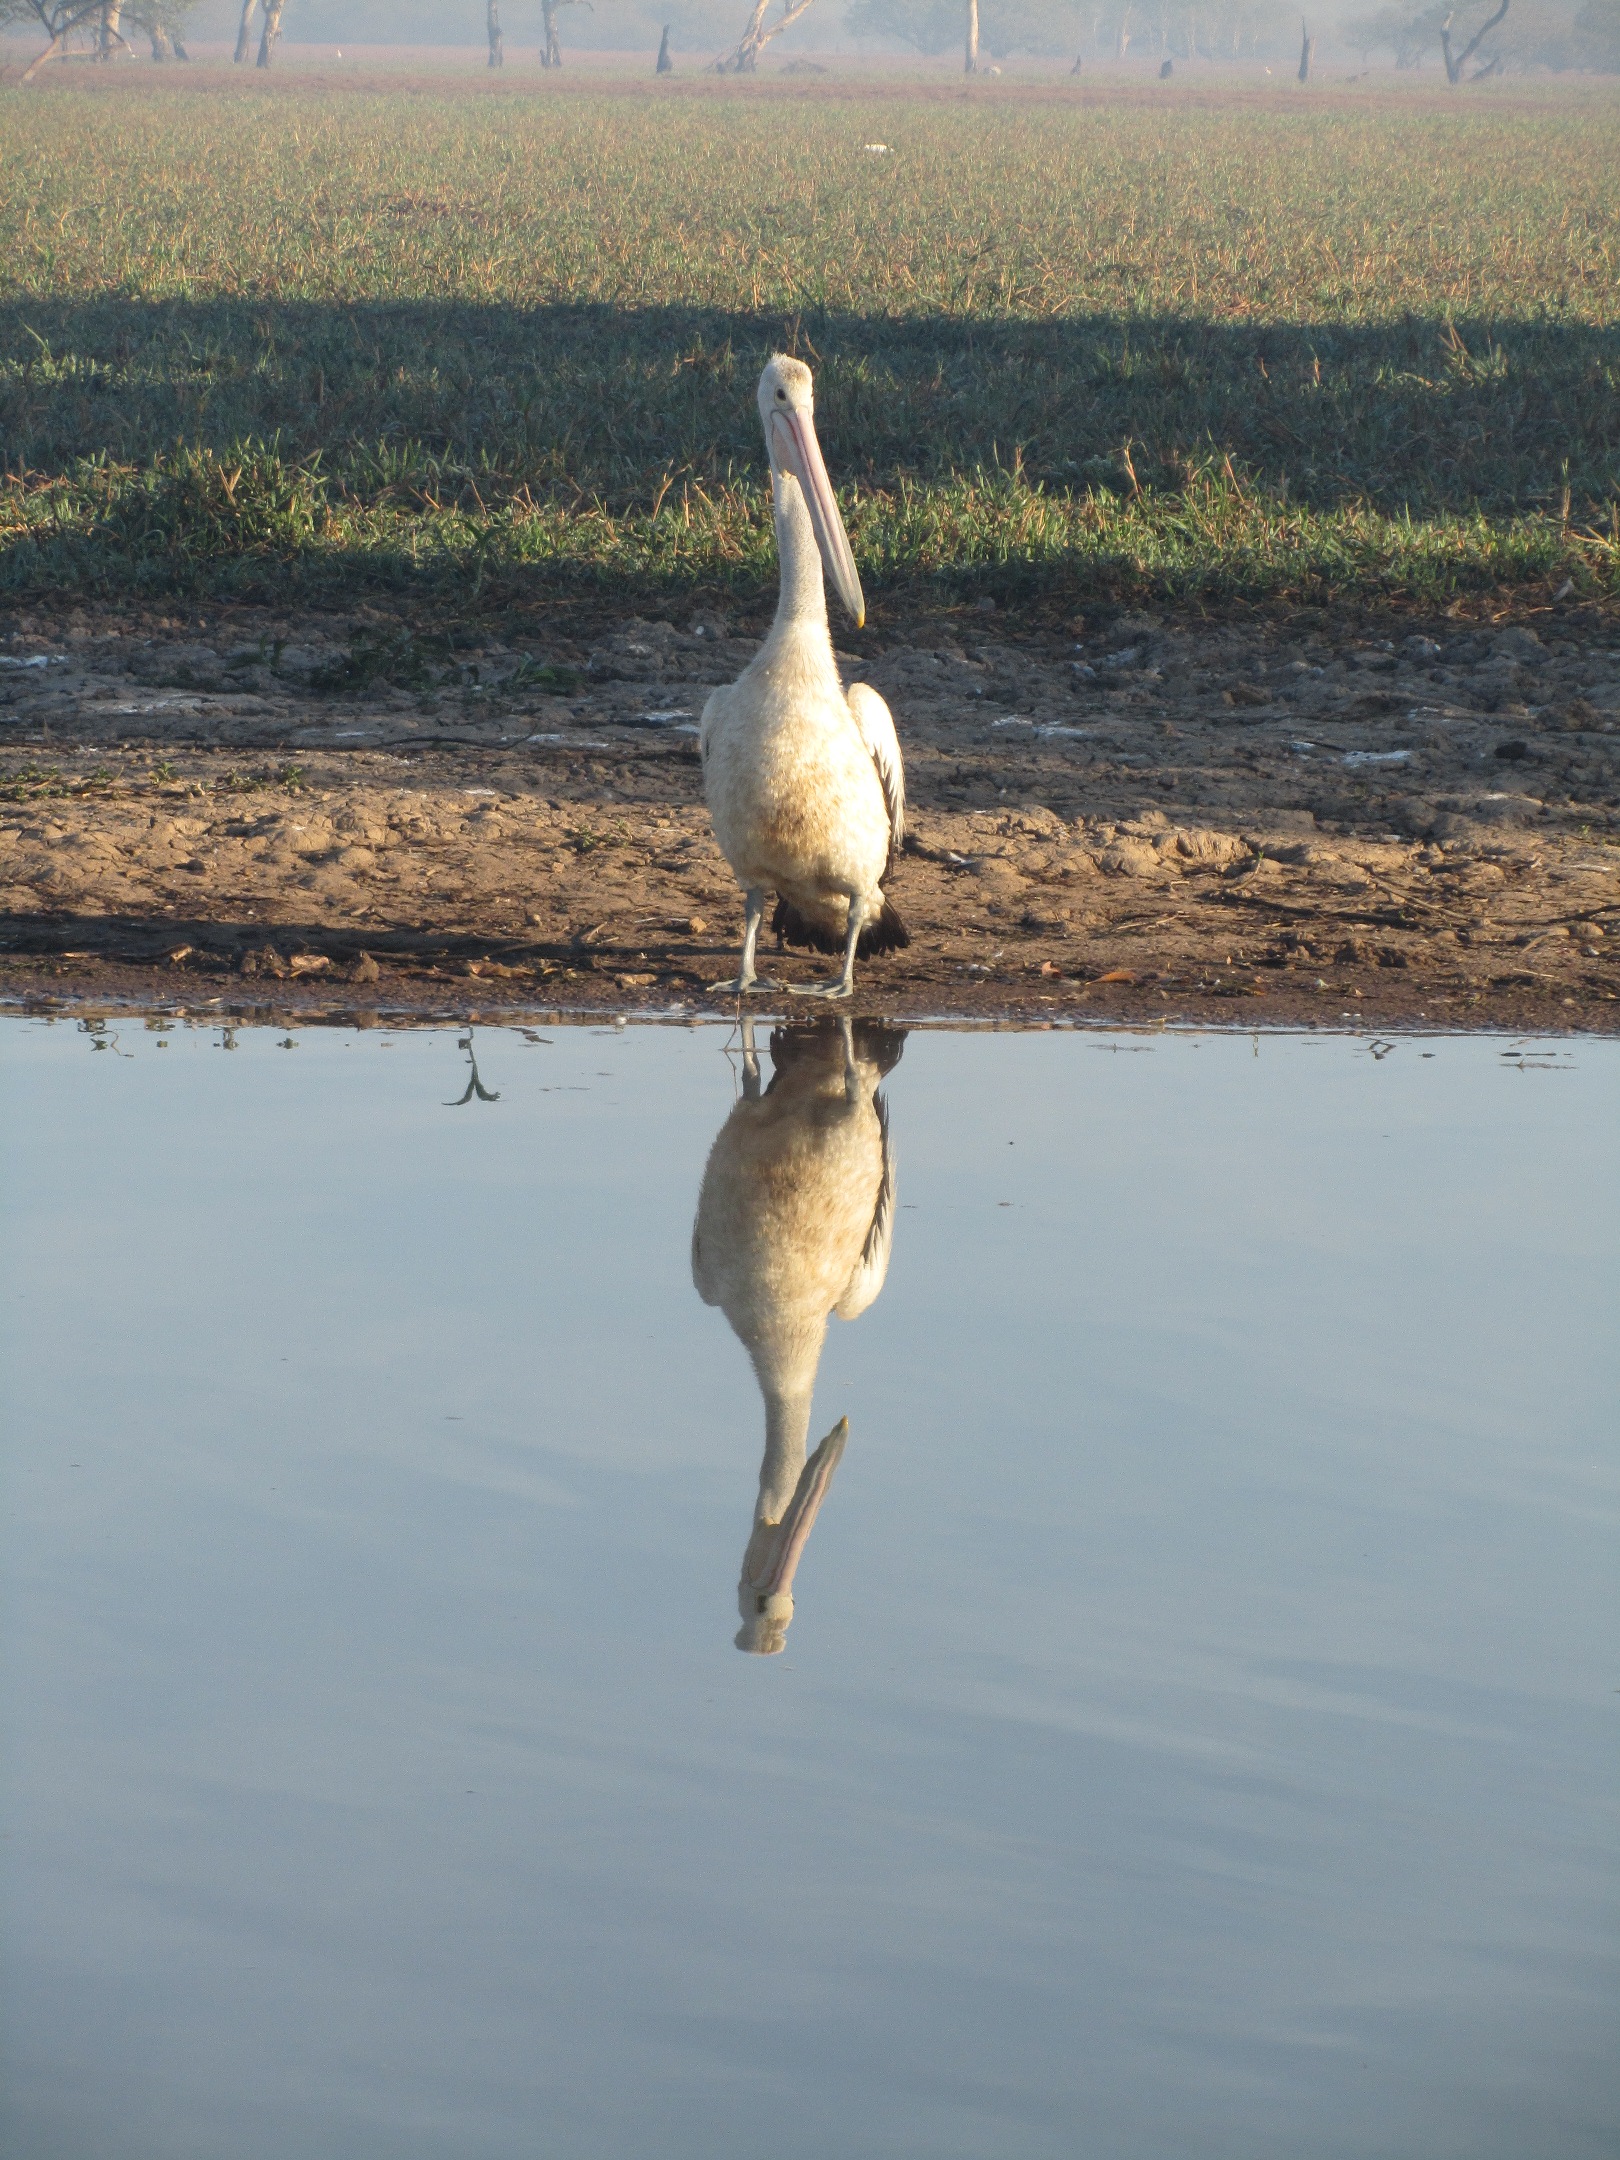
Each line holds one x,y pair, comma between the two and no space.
787,410
765,1593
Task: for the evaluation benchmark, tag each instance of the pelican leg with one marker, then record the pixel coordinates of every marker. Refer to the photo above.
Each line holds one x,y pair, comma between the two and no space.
745,978
845,983
750,1061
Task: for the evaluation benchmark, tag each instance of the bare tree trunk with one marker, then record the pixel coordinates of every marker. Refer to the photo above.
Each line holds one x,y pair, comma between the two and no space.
551,48
50,53
270,36
1456,64
162,49
666,65
750,48
107,36
743,59
243,39
1307,46
492,28
756,37
1122,37
970,57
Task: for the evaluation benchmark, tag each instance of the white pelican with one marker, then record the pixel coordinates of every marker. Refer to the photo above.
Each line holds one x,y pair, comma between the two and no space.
803,780
794,1223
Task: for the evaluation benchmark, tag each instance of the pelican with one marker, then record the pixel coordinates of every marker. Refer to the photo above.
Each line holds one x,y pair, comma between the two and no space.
803,780
794,1223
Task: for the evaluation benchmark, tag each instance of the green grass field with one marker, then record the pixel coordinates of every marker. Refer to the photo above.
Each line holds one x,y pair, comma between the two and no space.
273,338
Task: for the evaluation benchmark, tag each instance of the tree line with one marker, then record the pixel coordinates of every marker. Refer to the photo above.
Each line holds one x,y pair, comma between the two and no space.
1486,38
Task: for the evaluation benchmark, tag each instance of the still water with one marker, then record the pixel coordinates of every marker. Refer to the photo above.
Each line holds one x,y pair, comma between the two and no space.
1174,1719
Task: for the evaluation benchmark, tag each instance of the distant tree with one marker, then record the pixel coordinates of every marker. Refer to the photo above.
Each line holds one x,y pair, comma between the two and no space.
1597,37
1003,26
1178,29
1255,27
551,44
1407,35
929,26
269,33
1537,33
666,65
492,31
744,58
98,25
1456,62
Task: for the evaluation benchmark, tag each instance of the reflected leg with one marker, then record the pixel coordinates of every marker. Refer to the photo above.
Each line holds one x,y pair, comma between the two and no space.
852,1077
750,1062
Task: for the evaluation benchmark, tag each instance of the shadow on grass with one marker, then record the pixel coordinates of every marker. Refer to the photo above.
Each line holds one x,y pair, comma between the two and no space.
274,446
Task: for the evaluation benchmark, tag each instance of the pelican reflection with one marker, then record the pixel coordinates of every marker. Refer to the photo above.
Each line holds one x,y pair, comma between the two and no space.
794,1223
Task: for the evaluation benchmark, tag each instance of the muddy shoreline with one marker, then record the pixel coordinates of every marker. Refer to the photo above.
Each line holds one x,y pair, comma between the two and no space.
1306,818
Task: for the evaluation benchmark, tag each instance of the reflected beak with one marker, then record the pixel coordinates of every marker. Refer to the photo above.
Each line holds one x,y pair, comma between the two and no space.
798,1519
794,439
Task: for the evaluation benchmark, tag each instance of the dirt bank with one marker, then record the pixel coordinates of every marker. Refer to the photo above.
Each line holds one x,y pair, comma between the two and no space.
1127,815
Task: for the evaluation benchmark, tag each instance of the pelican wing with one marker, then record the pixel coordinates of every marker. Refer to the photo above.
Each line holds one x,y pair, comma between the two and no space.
704,1280
713,713
866,1278
876,724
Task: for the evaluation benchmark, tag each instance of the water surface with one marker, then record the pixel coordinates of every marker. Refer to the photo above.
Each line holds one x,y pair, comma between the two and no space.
1191,1727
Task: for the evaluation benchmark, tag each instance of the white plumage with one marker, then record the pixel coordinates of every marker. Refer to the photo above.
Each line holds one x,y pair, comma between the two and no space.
804,781
794,1223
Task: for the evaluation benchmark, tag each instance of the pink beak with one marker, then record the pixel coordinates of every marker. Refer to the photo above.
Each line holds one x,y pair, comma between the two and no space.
794,441
798,1519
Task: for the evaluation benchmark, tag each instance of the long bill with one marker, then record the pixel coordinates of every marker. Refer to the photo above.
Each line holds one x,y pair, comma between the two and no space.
796,446
798,1519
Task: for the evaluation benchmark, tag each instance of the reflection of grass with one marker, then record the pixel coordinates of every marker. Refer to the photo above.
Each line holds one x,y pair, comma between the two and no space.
1221,344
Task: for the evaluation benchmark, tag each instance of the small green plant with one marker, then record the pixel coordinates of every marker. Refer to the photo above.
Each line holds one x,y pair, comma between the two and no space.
30,784
543,675
164,771
254,783
403,658
266,654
